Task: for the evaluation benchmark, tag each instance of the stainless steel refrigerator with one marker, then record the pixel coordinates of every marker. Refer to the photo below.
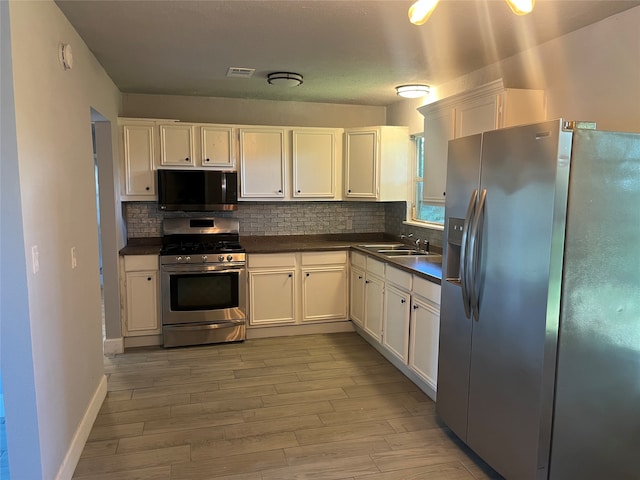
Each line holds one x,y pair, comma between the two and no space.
539,356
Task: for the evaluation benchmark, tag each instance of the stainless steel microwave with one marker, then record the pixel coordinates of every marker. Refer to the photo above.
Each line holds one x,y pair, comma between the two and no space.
197,190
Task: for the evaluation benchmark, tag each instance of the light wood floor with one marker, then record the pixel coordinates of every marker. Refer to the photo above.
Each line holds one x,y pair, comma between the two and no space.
309,407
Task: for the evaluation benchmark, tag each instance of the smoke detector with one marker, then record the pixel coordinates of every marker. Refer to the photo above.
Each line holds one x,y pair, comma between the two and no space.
240,72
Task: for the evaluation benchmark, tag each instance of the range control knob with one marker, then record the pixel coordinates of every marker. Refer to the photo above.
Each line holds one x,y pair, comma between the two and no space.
221,258
187,259
204,258
178,259
229,258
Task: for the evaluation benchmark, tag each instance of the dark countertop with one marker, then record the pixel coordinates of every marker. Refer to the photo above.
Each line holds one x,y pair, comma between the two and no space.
142,246
428,269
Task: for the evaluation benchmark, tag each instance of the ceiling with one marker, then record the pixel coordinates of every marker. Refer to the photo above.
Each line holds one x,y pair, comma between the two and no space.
349,51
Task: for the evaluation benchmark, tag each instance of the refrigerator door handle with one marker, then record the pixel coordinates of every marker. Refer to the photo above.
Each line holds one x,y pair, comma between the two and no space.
473,254
464,270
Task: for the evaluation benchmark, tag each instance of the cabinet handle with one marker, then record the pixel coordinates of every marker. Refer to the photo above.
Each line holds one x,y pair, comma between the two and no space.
207,160
415,307
366,281
403,300
290,275
149,278
186,159
298,191
147,188
307,274
280,191
359,277
349,191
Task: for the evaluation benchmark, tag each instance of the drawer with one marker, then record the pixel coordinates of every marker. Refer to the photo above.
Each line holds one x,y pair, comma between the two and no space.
398,277
375,267
324,258
358,260
271,260
137,263
426,289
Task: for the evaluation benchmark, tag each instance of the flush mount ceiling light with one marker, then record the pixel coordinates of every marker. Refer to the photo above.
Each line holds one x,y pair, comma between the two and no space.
285,79
420,11
412,91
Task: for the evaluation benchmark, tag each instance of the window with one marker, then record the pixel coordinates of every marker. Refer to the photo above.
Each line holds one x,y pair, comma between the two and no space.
422,211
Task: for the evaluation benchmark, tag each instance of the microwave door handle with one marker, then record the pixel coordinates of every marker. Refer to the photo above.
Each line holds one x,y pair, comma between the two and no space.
223,187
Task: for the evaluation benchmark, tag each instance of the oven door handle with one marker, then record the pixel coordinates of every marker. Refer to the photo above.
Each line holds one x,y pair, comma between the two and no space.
191,268
206,326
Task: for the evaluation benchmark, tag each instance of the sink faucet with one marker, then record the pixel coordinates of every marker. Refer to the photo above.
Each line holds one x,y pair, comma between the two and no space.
404,237
418,244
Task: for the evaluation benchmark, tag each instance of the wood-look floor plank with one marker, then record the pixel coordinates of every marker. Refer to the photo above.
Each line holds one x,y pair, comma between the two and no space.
151,473
229,465
100,447
331,469
133,461
282,411
443,471
276,425
323,452
337,433
116,406
202,450
173,438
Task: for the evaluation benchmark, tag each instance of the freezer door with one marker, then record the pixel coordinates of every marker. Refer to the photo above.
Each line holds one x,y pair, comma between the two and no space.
463,176
519,239
597,418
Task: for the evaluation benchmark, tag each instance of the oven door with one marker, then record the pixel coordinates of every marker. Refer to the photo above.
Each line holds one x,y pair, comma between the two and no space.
203,294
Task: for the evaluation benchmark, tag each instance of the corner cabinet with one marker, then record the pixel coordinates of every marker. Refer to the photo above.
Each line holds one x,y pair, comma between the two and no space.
486,108
297,288
377,163
140,287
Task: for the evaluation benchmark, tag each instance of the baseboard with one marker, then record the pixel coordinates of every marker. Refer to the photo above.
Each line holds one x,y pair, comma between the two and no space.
113,346
143,341
82,432
307,329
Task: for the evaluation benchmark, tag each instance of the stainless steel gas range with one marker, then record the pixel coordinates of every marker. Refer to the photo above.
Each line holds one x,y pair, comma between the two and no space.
203,279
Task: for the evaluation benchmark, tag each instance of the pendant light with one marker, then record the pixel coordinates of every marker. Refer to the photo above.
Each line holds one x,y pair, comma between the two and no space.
421,10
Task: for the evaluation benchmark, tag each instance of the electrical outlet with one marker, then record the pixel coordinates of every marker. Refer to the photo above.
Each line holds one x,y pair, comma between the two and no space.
35,259
74,259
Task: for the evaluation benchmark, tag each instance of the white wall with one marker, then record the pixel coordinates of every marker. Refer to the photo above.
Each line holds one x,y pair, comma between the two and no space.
590,74
55,177
251,112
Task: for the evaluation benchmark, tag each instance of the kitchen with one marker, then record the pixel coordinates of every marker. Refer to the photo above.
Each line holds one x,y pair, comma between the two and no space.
607,94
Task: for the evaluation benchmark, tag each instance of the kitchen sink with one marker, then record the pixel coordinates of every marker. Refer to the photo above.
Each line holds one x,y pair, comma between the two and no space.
402,252
385,246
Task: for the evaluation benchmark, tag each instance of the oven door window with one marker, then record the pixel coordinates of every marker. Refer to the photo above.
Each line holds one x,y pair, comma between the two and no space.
204,291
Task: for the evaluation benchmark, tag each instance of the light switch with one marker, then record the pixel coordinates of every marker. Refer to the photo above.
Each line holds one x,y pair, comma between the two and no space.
74,260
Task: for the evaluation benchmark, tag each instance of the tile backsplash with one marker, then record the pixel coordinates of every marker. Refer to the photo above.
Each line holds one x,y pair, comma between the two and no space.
290,218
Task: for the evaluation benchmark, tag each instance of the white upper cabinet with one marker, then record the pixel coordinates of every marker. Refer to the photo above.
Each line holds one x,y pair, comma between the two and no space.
377,163
176,145
486,108
314,163
262,163
217,146
137,147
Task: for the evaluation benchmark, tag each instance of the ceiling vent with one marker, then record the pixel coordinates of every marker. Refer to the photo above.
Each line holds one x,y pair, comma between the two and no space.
240,72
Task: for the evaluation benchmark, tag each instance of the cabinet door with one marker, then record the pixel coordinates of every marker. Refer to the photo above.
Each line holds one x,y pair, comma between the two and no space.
138,151
395,330
361,164
314,163
262,163
217,147
438,130
271,297
423,350
324,294
477,116
356,293
142,303
373,309
176,145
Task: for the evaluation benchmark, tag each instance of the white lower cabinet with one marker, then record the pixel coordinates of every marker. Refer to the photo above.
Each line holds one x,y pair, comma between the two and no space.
272,296
423,350
373,306
141,293
425,330
400,314
296,288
